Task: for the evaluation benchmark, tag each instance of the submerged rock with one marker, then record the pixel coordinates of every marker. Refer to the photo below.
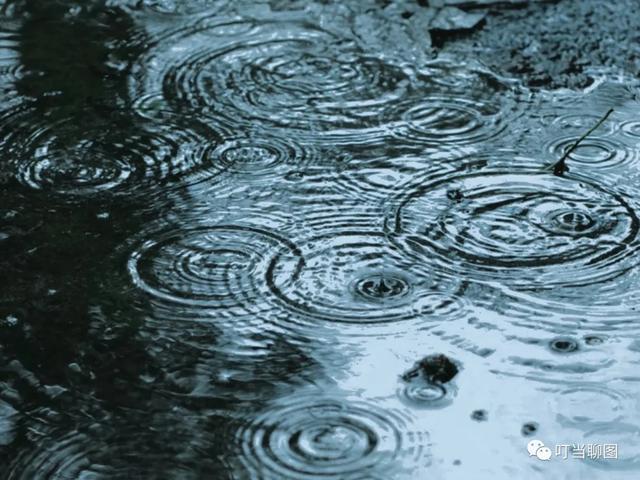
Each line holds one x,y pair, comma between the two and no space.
436,368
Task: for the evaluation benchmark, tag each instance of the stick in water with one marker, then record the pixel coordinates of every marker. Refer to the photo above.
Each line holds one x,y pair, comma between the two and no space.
561,165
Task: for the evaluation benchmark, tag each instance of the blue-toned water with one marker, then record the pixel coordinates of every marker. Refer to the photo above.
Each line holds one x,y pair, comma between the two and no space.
228,228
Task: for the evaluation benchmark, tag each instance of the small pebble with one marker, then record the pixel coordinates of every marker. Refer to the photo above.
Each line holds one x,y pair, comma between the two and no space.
529,429
436,368
480,415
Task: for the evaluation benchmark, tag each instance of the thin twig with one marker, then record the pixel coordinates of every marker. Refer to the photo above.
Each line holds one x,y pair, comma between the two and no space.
561,166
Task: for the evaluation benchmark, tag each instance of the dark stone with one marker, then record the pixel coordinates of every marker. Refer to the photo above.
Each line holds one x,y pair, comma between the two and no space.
436,368
480,415
529,429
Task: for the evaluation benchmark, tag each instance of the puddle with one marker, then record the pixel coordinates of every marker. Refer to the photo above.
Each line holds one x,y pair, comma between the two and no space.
228,229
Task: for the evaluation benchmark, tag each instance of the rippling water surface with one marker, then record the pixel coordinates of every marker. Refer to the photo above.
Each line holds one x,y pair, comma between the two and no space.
228,228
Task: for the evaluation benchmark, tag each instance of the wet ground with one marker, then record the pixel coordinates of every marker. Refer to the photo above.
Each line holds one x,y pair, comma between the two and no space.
230,232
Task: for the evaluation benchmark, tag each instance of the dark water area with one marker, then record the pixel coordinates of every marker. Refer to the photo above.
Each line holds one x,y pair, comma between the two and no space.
230,231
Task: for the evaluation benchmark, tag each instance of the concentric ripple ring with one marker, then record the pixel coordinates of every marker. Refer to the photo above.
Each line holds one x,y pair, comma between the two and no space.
356,277
526,229
600,152
441,119
80,155
322,438
218,267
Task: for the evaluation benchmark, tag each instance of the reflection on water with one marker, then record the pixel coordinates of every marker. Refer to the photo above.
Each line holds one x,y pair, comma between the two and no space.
227,229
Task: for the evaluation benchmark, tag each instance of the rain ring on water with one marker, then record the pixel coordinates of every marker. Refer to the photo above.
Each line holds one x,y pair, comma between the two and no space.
300,77
595,152
217,267
524,228
357,277
58,156
312,437
314,82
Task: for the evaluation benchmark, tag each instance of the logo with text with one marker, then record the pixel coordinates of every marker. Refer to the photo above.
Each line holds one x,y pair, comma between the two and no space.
593,451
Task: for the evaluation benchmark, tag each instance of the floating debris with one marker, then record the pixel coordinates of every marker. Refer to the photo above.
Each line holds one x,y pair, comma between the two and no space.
560,167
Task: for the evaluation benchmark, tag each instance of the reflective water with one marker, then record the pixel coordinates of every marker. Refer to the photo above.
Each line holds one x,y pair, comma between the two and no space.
228,228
